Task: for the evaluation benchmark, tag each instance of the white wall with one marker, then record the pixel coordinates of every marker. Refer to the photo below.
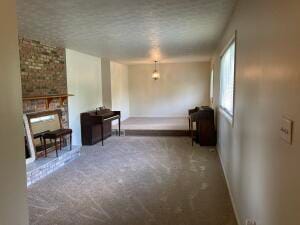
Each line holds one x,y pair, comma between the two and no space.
13,207
119,88
182,86
84,81
263,170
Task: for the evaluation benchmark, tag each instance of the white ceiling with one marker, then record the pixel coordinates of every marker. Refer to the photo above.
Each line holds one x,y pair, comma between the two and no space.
128,31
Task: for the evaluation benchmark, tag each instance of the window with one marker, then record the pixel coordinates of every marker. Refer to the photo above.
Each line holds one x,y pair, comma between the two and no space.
227,77
211,87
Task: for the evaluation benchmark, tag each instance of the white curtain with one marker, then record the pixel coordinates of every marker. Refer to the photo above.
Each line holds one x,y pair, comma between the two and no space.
227,79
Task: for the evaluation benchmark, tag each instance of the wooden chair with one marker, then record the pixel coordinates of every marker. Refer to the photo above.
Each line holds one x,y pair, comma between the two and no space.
54,135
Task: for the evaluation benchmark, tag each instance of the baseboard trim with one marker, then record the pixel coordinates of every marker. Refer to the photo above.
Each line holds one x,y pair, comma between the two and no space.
229,190
156,133
158,116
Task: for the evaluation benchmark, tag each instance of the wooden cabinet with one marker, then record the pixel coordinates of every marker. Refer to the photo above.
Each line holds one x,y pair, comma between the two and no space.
205,133
91,131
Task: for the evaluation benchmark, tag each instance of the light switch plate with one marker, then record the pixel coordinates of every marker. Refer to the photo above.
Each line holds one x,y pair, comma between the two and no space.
286,130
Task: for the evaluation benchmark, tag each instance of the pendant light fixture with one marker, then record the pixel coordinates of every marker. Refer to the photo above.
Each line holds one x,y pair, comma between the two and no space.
155,74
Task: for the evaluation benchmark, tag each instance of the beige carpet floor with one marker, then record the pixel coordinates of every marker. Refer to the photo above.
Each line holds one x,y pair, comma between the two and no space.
135,181
154,123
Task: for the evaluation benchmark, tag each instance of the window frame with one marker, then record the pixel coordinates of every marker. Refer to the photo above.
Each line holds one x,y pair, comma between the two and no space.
228,115
211,91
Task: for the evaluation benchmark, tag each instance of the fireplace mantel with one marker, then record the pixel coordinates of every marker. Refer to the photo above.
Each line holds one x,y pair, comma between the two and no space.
49,98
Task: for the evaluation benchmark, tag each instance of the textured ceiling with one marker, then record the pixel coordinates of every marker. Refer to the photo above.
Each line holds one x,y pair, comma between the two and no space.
128,31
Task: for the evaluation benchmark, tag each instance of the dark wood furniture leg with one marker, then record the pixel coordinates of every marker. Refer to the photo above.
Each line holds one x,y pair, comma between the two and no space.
55,141
60,139
102,134
41,140
70,141
45,147
119,126
192,133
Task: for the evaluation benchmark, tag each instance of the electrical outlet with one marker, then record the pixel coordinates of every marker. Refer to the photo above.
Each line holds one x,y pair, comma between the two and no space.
250,222
286,130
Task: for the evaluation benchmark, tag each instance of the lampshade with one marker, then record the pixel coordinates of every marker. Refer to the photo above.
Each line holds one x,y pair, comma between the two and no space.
155,74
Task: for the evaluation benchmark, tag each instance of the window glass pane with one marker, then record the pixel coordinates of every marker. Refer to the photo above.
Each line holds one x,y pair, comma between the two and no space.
211,94
227,79
212,84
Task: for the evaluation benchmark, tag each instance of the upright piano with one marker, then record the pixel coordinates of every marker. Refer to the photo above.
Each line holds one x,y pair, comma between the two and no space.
205,133
96,125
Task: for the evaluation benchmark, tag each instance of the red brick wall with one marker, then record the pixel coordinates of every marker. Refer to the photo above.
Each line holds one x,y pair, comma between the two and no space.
43,72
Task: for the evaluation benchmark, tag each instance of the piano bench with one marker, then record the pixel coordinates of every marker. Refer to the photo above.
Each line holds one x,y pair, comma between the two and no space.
54,135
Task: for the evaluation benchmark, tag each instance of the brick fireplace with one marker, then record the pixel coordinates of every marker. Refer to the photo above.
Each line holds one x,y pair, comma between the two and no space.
43,73
44,87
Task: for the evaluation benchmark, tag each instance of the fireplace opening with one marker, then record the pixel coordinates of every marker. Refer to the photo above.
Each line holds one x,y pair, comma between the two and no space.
37,125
